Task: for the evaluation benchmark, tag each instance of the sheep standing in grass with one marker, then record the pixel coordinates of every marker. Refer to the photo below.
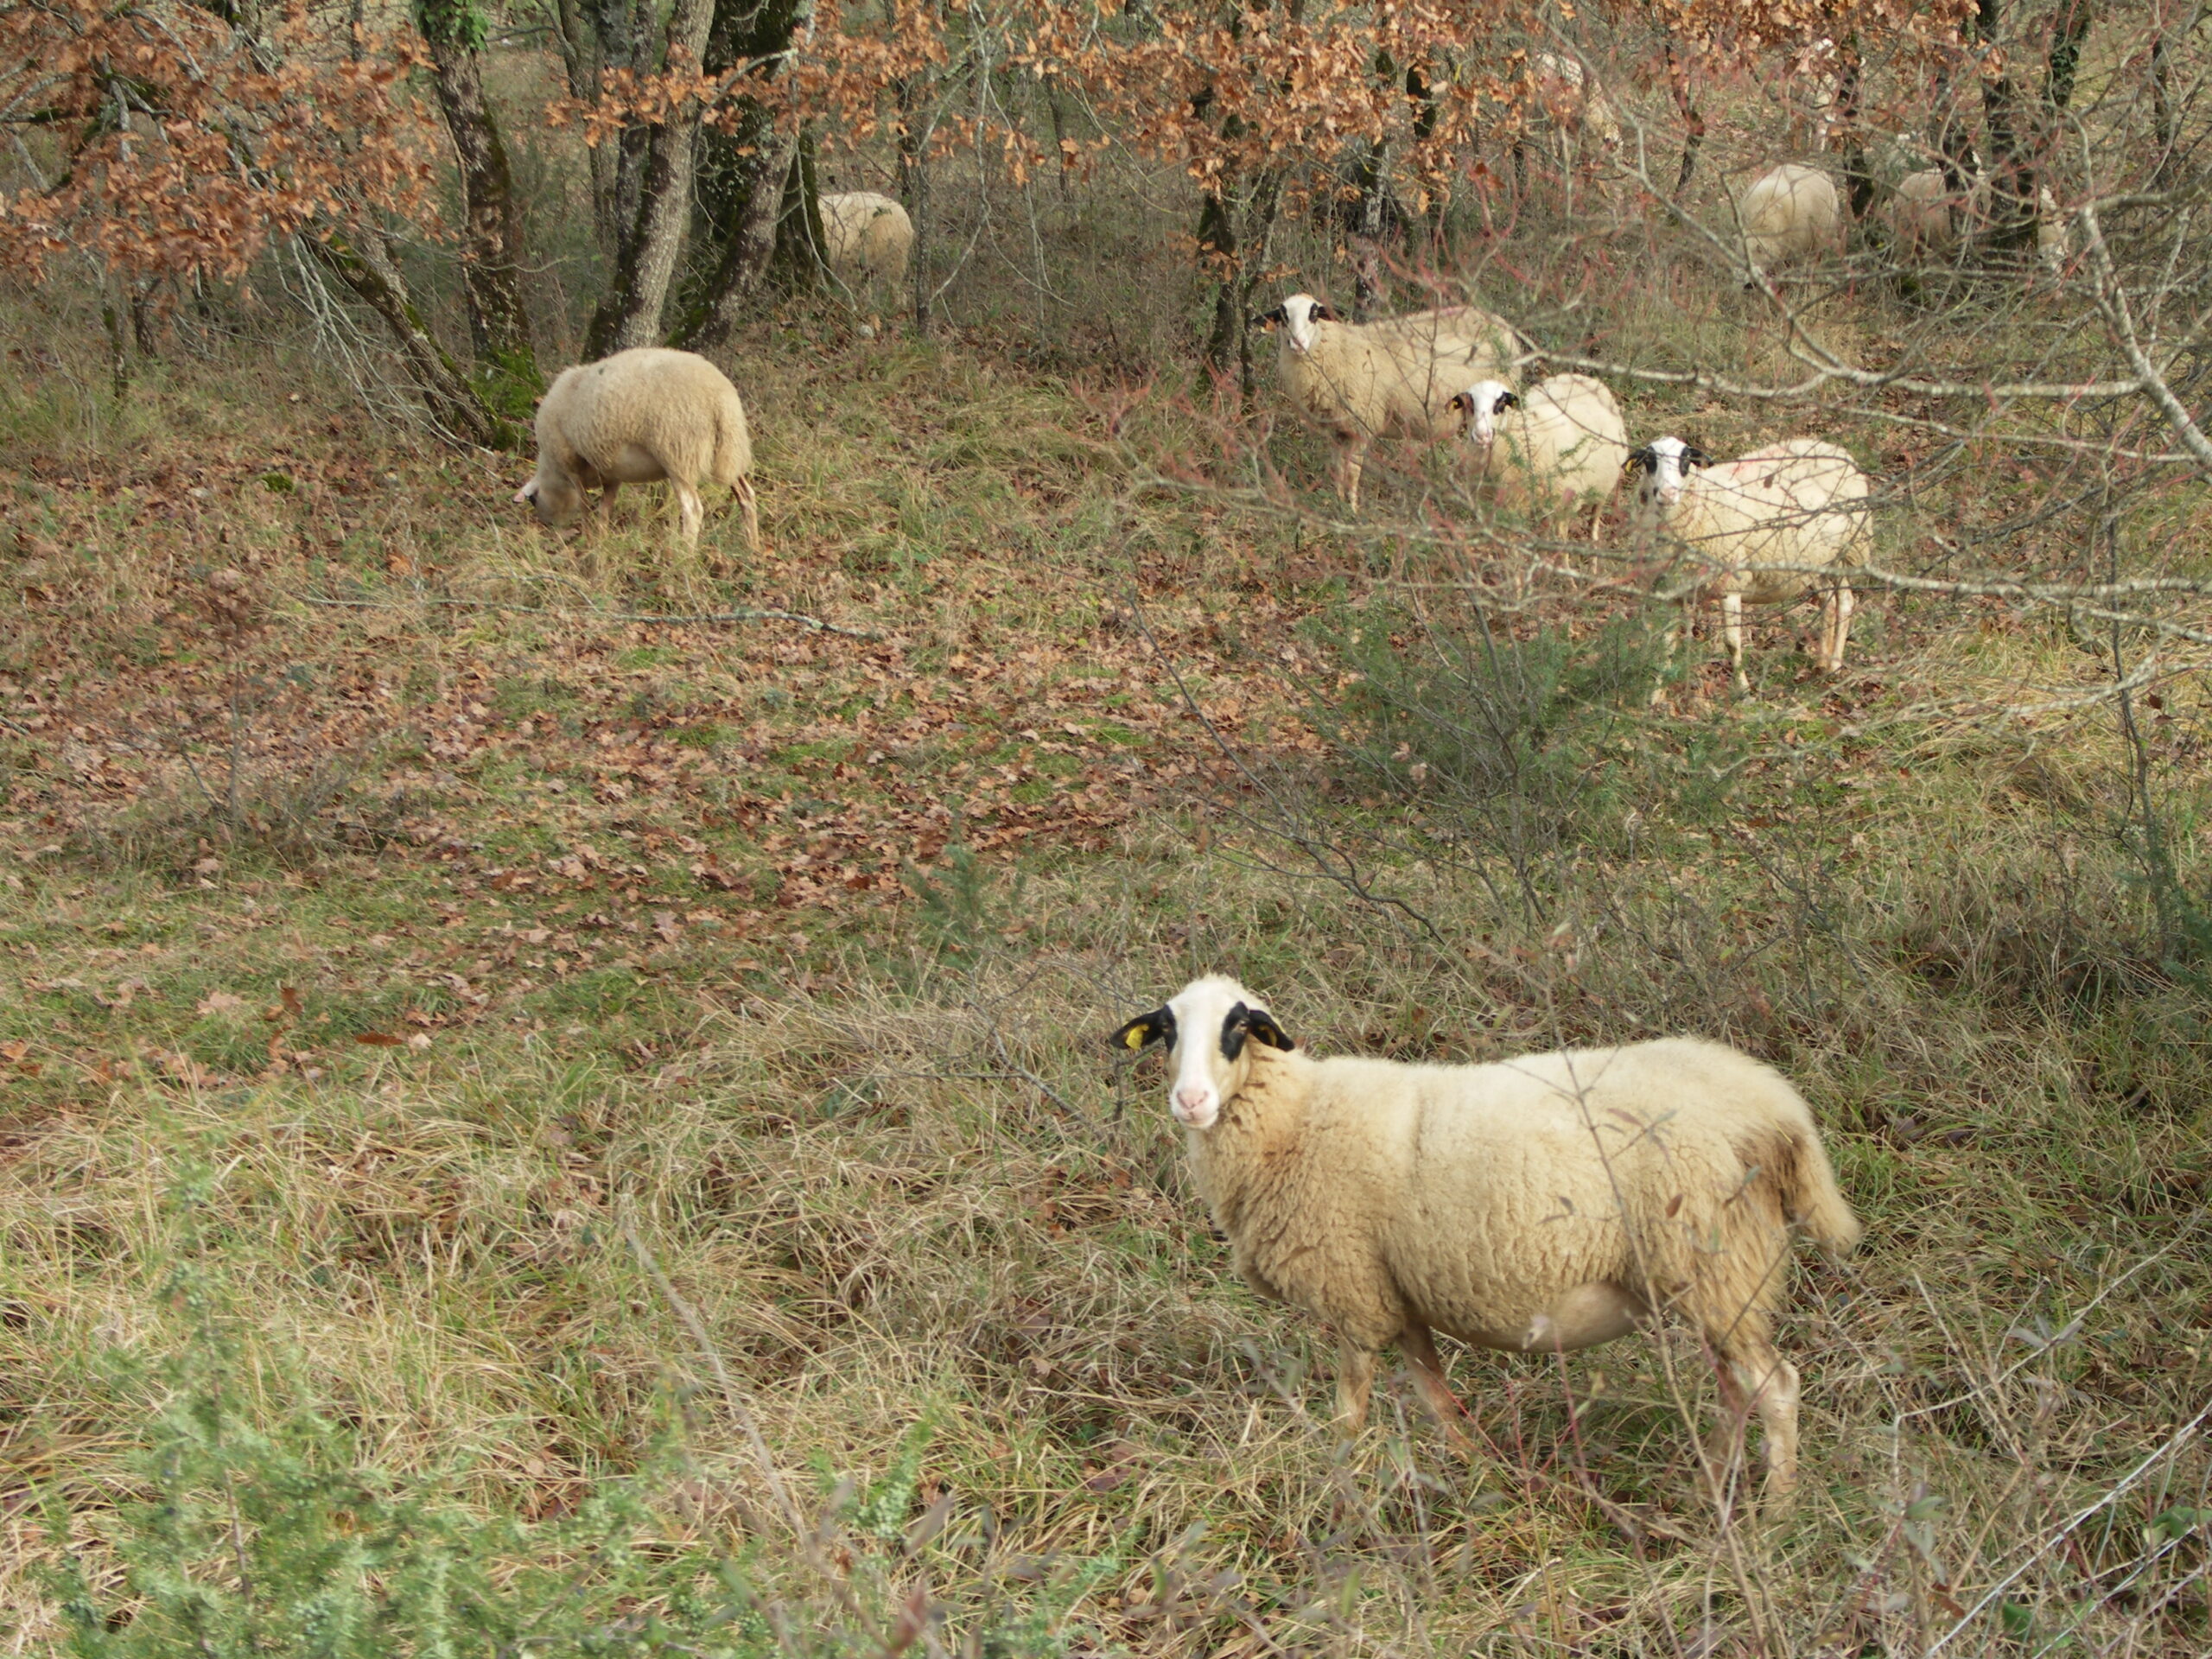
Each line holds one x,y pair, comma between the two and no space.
1927,218
870,238
636,417
1787,214
1555,1201
1758,529
1560,448
1360,381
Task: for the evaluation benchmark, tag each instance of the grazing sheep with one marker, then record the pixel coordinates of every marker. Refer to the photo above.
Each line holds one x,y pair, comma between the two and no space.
1360,381
870,238
1561,447
1799,503
1787,213
1555,1201
635,417
1927,218
1569,102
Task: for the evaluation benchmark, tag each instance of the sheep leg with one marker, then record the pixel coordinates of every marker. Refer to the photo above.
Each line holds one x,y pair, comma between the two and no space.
1840,601
691,512
1351,460
1355,1385
746,499
1420,1348
1732,629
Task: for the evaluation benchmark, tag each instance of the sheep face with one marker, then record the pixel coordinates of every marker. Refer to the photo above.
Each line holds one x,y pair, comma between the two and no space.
1662,465
1479,406
1208,1028
1299,317
555,498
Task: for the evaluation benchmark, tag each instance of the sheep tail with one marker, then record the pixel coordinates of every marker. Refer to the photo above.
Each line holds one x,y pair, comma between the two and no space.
733,448
1810,1195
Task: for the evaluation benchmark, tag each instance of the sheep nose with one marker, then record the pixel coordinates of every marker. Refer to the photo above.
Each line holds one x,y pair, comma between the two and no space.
1192,1098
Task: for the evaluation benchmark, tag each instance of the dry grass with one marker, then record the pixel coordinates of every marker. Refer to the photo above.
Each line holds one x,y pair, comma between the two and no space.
744,979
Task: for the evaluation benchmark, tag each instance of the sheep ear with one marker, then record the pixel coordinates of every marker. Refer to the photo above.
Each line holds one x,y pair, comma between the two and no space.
1321,313
1268,321
1158,1026
1506,400
1261,1025
1461,404
1694,456
1640,461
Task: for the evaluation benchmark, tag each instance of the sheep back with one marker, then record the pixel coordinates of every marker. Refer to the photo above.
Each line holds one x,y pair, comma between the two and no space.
1428,358
1472,1199
1565,445
1789,212
1799,502
637,416
870,237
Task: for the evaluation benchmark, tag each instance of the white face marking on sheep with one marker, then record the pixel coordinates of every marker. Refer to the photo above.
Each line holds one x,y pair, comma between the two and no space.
1670,459
1210,1026
1481,404
1304,325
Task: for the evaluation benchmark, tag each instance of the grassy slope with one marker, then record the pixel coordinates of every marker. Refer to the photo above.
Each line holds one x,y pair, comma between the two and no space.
776,961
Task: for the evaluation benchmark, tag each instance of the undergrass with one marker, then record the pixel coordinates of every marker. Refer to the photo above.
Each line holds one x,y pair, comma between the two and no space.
579,1044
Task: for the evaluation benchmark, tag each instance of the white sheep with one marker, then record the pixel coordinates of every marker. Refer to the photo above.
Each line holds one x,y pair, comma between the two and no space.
1561,447
1926,218
636,417
870,238
1360,381
1569,101
1552,1202
1799,505
1787,213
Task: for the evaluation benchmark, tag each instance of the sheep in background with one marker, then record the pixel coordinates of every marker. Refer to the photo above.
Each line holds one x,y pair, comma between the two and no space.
1360,381
1552,1202
1568,101
1545,455
1927,218
870,238
635,417
1787,213
1800,505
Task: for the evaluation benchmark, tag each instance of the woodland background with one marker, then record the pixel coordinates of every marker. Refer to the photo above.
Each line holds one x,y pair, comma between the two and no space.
552,1100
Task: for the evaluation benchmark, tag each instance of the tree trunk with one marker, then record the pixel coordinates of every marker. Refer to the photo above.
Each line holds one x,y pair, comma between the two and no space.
1374,178
745,257
1858,176
492,254
583,59
2012,228
366,267
2162,127
802,251
916,125
1693,114
630,313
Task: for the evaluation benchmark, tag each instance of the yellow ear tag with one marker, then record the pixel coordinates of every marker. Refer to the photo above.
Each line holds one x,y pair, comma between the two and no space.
1136,1037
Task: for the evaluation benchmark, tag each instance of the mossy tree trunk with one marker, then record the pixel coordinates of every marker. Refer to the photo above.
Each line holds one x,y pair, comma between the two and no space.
492,251
743,164
629,314
365,265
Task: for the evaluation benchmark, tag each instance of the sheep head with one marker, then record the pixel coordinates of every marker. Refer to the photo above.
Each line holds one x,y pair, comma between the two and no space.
1479,406
1298,317
554,497
1662,465
1208,1026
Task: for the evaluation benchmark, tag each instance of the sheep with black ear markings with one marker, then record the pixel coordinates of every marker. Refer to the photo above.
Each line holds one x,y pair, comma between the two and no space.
1552,1202
1559,447
636,417
1759,527
1360,381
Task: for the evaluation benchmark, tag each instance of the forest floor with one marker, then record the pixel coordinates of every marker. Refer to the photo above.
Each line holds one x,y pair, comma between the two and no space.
485,1025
